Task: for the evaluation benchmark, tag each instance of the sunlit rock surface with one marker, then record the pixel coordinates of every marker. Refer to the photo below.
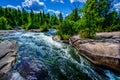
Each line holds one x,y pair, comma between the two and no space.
104,53
7,57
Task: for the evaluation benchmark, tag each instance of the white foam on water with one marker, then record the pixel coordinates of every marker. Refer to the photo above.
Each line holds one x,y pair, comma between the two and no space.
16,76
28,34
111,76
50,41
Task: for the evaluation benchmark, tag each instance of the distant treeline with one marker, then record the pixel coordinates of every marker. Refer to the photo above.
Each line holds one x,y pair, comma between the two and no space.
94,16
11,18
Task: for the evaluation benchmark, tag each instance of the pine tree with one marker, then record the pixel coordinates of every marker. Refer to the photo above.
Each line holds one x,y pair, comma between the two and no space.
60,17
54,20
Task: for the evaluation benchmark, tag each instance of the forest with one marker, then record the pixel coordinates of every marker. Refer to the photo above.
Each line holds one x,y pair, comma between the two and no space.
94,16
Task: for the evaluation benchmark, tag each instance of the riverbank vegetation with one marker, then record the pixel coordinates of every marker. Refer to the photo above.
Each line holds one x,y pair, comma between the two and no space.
94,16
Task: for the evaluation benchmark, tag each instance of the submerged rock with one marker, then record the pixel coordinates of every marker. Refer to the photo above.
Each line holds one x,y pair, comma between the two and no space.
32,72
105,53
7,57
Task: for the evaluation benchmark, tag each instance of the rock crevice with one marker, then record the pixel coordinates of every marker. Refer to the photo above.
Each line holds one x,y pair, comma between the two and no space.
8,53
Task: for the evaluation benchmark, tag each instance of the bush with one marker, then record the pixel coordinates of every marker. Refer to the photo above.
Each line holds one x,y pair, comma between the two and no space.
65,37
55,26
4,24
44,27
87,33
66,29
33,26
113,28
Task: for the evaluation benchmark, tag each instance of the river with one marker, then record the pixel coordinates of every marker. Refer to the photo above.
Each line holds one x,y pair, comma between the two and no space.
41,58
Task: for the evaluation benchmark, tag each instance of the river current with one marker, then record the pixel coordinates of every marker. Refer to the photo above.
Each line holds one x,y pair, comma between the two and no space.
41,58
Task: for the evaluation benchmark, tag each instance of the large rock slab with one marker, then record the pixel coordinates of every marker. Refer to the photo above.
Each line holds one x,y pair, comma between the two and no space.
8,55
108,35
105,53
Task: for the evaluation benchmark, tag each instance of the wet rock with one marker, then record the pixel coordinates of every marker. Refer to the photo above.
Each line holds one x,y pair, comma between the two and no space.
56,38
7,57
105,53
34,30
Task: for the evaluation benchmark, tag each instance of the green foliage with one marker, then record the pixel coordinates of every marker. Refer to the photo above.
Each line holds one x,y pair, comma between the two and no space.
44,27
113,28
54,20
89,20
4,24
65,36
74,15
87,33
60,17
27,20
66,29
55,26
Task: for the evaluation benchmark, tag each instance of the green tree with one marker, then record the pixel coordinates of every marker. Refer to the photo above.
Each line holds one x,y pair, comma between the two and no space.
47,18
104,7
74,15
60,17
24,17
90,19
66,29
42,20
54,20
2,12
20,17
4,24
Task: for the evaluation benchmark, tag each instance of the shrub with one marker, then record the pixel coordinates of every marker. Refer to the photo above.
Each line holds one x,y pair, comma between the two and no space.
65,37
87,33
113,28
4,24
44,27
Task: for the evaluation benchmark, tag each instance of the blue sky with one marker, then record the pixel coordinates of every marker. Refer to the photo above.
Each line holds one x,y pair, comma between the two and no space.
52,6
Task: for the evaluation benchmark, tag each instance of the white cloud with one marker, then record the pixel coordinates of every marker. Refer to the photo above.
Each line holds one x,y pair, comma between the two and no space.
53,11
117,6
61,1
36,5
15,7
66,14
82,1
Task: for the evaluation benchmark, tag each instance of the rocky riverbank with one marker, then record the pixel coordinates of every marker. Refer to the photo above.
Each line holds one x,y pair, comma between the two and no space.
8,55
103,52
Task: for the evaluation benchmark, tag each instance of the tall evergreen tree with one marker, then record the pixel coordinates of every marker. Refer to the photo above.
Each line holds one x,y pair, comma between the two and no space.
60,17
54,20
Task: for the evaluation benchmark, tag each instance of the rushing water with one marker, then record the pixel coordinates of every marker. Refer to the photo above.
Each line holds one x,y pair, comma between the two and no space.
41,58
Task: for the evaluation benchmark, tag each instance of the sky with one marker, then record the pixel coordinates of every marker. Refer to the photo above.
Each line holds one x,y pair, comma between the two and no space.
51,6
